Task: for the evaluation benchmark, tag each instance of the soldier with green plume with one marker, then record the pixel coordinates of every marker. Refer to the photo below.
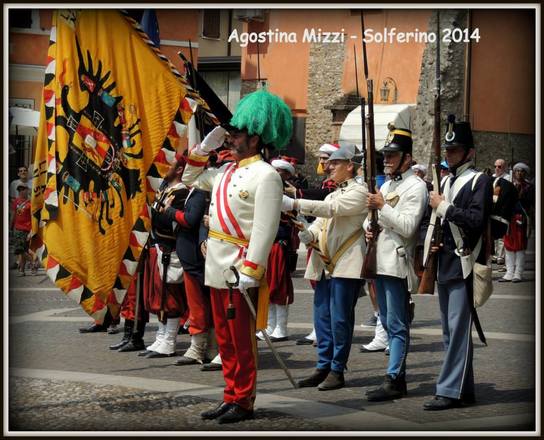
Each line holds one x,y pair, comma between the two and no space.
244,216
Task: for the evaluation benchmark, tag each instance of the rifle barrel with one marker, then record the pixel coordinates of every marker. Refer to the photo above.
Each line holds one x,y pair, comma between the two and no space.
365,62
356,77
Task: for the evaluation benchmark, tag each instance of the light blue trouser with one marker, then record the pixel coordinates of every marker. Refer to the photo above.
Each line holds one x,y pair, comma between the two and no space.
457,376
393,302
334,318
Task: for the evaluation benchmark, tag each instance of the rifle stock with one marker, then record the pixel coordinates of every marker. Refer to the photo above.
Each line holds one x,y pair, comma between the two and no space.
370,261
426,285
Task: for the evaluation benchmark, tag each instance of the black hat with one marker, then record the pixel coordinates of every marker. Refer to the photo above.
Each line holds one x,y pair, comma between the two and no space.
398,140
458,134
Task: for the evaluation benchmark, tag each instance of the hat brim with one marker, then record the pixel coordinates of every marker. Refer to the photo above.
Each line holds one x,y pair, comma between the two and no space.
452,145
393,148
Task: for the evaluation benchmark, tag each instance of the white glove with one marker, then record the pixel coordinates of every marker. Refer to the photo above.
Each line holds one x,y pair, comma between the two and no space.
305,236
247,282
301,220
213,140
287,203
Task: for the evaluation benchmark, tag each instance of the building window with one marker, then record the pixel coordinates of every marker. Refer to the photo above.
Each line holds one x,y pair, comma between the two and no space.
211,23
226,86
20,18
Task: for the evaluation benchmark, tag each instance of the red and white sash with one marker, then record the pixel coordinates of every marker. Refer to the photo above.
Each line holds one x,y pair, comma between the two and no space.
226,218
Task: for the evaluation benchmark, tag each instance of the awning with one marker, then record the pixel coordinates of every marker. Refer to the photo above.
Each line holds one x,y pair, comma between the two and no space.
400,115
23,121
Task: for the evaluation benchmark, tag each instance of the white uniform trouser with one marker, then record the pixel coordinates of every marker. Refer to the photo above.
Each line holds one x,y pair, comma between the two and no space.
515,264
499,248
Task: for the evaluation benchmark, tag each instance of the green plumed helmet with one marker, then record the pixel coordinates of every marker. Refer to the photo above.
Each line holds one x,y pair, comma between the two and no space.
266,115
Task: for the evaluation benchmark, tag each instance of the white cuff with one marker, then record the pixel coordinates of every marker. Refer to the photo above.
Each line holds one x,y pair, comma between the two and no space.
442,208
199,151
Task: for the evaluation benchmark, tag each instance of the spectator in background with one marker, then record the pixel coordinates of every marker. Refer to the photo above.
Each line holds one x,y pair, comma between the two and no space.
444,170
21,226
421,172
515,241
500,173
501,170
22,172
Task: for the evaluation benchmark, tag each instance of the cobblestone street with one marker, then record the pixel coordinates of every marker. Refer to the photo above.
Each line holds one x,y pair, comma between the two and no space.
61,380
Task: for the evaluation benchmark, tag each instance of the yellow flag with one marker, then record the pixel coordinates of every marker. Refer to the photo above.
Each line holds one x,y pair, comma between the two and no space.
112,114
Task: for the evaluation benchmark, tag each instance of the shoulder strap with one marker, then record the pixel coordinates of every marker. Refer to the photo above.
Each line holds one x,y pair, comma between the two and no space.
456,232
342,249
475,178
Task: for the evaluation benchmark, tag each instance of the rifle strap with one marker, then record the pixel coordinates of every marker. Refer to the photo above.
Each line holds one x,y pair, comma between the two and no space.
467,261
342,249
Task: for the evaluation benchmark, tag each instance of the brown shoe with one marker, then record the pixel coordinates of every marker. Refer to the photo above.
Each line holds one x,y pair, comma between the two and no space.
315,379
333,381
392,388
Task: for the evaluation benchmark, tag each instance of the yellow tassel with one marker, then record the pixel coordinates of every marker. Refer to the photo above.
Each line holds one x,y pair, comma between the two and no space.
320,171
262,305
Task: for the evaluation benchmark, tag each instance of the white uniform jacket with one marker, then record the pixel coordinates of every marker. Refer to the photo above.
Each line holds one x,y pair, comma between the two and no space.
400,218
244,214
339,217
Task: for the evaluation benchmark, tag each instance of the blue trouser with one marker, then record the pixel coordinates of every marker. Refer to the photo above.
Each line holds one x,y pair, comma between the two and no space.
456,376
334,318
393,302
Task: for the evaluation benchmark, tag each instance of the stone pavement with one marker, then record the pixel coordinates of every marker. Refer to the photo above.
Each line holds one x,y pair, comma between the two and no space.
61,380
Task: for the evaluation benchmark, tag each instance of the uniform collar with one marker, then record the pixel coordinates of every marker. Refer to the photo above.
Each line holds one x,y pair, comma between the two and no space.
461,169
344,183
403,176
249,160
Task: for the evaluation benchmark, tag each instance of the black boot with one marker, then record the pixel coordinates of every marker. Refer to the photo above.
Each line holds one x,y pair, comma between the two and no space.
136,342
391,389
129,325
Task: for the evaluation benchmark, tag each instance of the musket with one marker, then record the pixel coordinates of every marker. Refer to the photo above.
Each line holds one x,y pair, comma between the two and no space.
434,233
363,114
369,264
251,308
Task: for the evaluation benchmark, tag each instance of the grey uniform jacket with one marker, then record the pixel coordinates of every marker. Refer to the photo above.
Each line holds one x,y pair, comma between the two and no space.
338,217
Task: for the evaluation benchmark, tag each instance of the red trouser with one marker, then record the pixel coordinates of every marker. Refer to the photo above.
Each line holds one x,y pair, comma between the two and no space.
129,302
237,347
153,289
199,305
278,277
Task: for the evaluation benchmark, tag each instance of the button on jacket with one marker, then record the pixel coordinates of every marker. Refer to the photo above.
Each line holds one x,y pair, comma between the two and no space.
245,205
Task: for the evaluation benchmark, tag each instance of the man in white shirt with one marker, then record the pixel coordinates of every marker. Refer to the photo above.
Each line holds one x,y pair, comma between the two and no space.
500,173
22,172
